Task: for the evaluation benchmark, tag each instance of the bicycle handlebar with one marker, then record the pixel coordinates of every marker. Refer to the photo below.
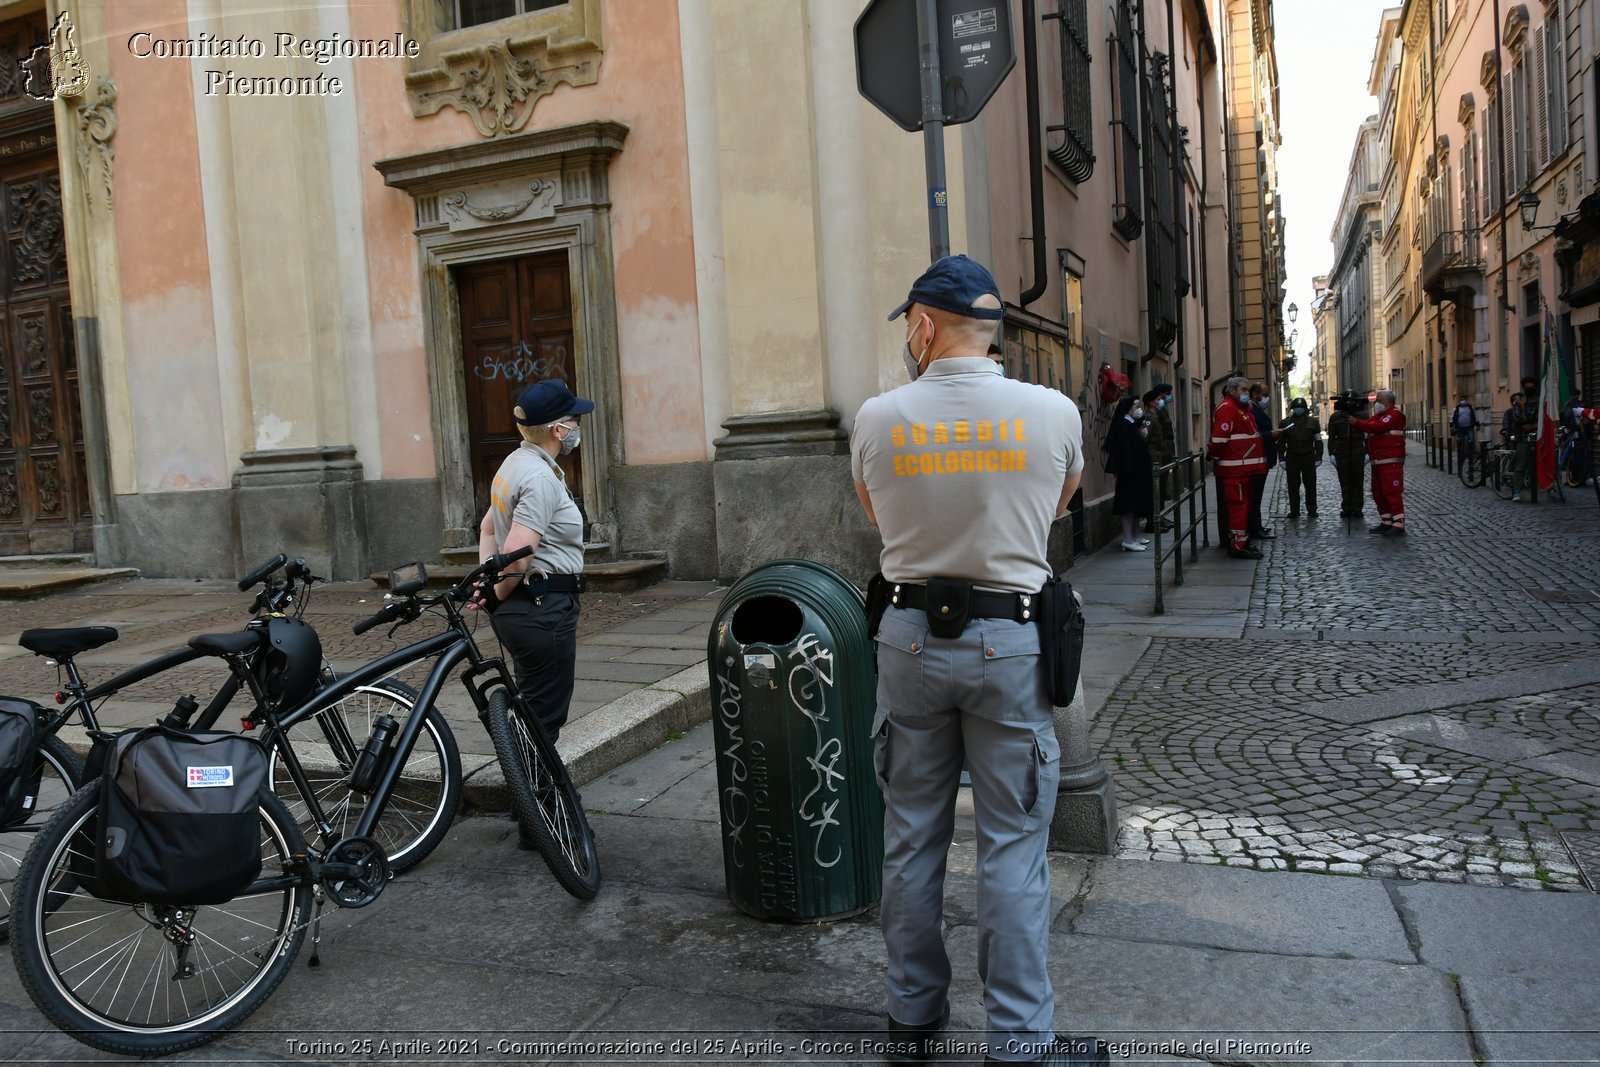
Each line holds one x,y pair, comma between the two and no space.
411,606
265,569
387,613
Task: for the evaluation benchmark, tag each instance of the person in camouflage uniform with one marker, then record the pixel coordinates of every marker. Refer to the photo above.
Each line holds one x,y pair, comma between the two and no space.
1348,447
1163,445
1302,448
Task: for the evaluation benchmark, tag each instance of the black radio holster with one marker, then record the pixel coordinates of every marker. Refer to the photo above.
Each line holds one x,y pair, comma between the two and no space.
1060,641
879,592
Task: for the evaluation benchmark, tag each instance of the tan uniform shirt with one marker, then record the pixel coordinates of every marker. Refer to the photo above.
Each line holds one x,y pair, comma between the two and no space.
964,469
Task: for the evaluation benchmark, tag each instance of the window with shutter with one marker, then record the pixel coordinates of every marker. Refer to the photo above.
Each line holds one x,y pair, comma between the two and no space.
1555,87
1075,152
1491,158
1126,217
1538,93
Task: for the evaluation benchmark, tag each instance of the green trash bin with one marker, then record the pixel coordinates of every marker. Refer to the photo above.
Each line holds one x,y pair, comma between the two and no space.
793,688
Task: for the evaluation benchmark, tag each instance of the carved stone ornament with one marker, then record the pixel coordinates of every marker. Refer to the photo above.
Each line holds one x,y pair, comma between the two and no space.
1527,266
97,124
1489,72
544,196
1516,26
1464,115
496,73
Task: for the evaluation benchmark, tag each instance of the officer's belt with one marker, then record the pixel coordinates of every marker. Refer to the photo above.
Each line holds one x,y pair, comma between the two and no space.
1018,607
534,585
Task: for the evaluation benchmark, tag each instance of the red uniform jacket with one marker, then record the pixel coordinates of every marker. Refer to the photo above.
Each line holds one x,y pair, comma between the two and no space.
1235,444
1386,436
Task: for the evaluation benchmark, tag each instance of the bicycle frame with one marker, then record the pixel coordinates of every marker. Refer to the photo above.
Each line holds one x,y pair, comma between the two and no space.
451,647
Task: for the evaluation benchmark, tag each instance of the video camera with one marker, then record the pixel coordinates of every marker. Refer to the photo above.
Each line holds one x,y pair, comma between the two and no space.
1349,402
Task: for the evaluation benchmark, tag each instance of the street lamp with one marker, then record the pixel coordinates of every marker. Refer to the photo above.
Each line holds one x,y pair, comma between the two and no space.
1294,312
1294,336
1528,208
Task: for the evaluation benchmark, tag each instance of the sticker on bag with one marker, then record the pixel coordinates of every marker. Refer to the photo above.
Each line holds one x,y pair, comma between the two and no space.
210,777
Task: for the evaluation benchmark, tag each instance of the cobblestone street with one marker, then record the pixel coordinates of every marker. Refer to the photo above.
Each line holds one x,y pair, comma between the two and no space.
1426,707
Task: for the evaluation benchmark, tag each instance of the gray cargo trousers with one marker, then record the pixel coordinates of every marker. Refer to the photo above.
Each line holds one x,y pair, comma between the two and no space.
979,698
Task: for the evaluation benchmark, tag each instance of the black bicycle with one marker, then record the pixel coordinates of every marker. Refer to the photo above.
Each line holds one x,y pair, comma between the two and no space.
278,658
148,979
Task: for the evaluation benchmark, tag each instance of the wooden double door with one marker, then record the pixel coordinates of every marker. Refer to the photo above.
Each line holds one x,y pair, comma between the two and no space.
516,329
44,499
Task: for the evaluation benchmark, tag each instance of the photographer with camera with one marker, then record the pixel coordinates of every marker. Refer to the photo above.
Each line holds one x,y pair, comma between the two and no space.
1347,447
1386,444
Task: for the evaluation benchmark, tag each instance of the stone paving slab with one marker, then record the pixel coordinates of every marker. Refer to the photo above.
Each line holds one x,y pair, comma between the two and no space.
1534,1020
1222,907
1489,934
1577,766
1346,1011
1464,737
1362,709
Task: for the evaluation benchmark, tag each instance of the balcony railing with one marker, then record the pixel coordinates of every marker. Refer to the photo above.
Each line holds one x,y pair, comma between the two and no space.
1450,262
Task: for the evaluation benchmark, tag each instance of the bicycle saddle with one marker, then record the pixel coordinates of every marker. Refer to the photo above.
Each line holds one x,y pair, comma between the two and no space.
228,644
66,642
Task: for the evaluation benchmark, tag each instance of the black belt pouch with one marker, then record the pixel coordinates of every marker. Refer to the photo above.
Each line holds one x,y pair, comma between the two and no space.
948,605
1060,641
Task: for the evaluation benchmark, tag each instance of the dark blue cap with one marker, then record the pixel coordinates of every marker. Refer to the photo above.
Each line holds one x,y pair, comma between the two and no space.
954,284
545,402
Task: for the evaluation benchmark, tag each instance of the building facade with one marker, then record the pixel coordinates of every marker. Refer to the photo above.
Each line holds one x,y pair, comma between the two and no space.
1250,73
1358,278
1323,380
281,294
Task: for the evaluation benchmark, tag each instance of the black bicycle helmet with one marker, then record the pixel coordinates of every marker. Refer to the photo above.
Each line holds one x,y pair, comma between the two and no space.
290,661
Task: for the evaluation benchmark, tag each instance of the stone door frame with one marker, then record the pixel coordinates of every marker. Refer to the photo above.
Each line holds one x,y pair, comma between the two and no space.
543,191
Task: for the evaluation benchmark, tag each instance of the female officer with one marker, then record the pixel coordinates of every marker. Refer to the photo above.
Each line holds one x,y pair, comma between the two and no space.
536,617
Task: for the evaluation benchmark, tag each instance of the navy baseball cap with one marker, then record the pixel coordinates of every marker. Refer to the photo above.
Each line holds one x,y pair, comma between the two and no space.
545,402
954,284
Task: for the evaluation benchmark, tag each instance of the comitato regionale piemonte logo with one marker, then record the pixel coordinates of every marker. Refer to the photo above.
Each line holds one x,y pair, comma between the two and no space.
57,69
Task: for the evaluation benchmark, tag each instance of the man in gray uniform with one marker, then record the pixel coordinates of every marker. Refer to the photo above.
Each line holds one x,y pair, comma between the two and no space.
963,471
536,617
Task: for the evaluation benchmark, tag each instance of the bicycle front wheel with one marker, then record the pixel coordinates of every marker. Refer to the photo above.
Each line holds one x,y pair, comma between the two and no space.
546,803
60,775
142,979
1576,468
423,803
1471,470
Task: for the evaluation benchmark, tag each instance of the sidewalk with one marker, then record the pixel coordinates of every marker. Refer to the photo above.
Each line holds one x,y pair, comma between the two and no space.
1173,962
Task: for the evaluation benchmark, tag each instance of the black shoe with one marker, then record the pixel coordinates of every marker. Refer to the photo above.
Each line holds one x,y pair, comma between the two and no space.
1294,514
1312,514
1381,528
1065,1051
1245,553
1263,535
910,1043
1397,531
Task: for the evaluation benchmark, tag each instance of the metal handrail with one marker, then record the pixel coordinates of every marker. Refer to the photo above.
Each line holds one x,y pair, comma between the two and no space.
1192,485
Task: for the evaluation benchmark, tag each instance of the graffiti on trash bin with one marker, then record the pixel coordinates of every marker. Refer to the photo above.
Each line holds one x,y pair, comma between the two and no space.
735,802
808,682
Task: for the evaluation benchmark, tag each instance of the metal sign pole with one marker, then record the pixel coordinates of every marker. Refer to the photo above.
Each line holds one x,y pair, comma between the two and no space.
933,128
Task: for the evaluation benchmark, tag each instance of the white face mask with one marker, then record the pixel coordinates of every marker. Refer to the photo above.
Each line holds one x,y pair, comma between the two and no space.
569,443
1379,409
1136,412
914,362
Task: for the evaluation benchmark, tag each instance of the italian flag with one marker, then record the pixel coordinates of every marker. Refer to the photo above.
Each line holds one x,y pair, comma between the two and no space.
1553,398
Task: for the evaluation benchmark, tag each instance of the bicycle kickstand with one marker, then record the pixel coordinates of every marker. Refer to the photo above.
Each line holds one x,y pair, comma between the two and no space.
316,928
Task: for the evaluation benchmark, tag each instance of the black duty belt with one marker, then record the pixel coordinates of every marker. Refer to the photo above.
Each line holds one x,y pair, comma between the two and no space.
534,585
1018,607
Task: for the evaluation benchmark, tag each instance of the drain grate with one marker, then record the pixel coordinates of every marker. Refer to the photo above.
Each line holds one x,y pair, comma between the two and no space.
1585,848
1562,596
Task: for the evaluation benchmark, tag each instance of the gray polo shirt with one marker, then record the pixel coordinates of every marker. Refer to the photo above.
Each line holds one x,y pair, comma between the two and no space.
964,468
529,489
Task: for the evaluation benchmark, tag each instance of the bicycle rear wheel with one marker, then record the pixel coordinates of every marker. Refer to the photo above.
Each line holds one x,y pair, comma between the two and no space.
546,804
1503,477
60,775
1471,470
423,803
1576,469
108,973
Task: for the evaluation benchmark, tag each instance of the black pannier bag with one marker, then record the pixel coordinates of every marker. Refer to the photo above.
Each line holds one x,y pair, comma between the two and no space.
19,724
1060,641
179,819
